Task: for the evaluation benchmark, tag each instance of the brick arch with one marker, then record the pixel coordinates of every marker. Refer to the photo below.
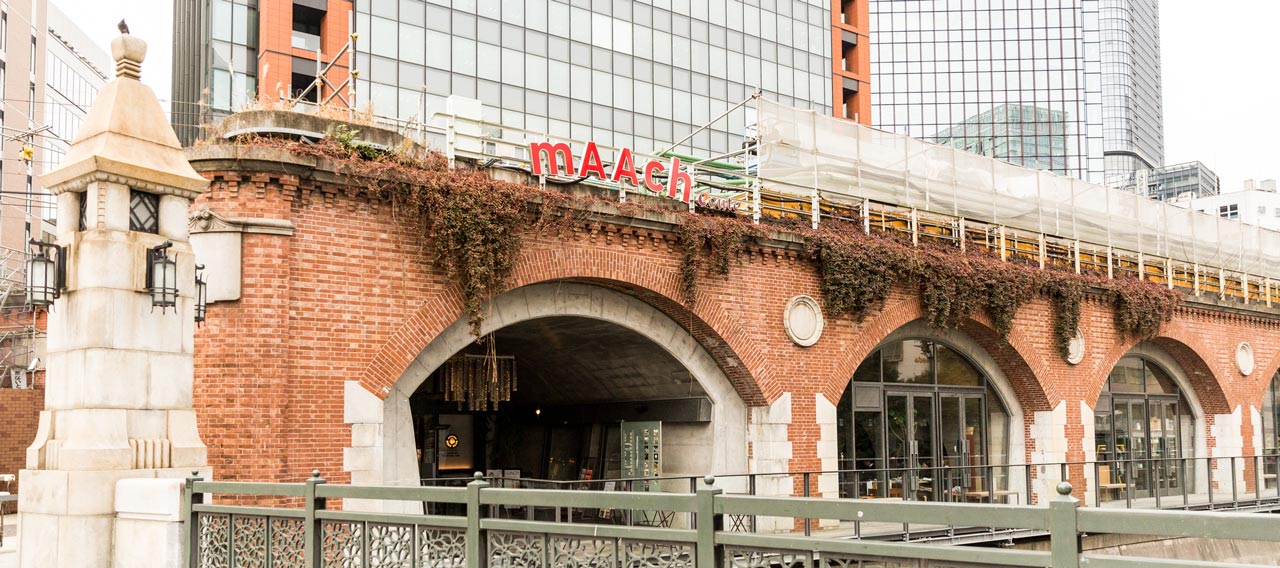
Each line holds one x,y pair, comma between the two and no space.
1265,374
1008,354
1191,354
658,285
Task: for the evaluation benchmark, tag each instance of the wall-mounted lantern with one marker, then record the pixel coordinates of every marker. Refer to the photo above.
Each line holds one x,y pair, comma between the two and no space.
202,287
162,277
46,273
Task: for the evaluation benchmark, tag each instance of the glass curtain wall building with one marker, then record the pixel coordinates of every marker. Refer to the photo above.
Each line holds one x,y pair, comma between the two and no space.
940,65
636,73
1055,84
75,69
215,61
1132,113
1188,181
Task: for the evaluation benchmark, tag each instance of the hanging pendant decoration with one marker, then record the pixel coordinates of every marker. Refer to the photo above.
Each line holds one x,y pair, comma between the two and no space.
479,382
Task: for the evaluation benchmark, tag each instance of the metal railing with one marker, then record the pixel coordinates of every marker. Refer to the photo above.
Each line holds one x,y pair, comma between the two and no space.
1203,483
306,532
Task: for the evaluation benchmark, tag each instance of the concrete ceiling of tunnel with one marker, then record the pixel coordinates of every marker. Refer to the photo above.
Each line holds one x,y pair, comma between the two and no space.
573,360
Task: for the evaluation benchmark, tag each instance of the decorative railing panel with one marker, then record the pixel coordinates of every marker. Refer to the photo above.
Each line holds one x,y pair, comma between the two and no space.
312,536
215,541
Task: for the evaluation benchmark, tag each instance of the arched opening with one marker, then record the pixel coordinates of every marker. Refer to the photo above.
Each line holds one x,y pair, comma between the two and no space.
590,363
921,420
581,386
1144,426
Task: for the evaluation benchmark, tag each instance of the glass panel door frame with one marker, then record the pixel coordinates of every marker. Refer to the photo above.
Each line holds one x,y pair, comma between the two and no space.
1148,466
930,470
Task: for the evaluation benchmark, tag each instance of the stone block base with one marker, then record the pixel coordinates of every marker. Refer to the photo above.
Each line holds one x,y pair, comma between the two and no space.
65,541
147,544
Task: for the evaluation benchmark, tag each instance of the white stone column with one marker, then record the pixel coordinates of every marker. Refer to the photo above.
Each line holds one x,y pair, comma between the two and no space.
1049,431
771,453
1227,431
119,372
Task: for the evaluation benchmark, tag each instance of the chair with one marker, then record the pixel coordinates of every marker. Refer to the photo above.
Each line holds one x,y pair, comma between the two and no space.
1107,484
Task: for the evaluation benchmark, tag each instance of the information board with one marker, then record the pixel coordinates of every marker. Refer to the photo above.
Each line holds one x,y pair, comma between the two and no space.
641,449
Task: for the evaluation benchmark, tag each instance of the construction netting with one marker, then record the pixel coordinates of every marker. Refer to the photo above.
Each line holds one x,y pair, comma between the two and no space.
801,151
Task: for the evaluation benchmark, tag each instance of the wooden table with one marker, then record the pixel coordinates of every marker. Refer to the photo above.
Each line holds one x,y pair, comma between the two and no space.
1113,489
981,495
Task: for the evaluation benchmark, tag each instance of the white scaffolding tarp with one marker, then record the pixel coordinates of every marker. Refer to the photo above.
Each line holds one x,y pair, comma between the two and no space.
801,150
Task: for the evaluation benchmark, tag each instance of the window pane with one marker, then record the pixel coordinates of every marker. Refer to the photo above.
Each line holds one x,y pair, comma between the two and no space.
1127,375
1159,382
221,20
144,212
955,370
869,370
412,43
239,24
221,89
908,362
383,41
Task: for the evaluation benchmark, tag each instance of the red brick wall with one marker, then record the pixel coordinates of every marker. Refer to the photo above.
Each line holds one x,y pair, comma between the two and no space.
353,295
19,417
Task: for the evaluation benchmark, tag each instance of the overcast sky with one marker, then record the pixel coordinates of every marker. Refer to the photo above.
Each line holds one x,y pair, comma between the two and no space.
1221,89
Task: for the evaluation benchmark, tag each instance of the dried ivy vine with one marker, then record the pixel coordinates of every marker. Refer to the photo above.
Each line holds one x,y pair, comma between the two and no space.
710,243
474,221
953,286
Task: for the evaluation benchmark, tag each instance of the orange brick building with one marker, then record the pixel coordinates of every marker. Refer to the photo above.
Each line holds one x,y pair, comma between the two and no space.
330,358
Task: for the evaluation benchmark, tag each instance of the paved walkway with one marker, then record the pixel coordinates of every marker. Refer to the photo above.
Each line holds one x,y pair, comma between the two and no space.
9,552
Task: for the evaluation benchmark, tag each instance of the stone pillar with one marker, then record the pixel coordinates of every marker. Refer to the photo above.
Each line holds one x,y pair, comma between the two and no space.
1049,432
771,453
119,372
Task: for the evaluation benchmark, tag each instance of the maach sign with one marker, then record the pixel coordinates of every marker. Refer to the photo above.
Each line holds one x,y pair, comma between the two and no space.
559,160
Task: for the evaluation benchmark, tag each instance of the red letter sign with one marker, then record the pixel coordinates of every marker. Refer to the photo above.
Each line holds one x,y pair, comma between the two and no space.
675,178
649,182
537,150
591,162
625,168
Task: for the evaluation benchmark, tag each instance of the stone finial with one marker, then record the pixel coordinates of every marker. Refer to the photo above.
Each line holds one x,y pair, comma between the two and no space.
129,52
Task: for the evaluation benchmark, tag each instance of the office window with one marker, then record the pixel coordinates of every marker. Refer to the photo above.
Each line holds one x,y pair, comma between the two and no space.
1229,211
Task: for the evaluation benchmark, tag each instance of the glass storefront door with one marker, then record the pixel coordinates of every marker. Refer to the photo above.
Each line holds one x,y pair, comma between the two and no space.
1166,468
935,459
1147,444
908,442
962,446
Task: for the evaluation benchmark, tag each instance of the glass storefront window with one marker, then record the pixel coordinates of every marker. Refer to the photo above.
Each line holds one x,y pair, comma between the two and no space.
1143,427
1271,417
920,421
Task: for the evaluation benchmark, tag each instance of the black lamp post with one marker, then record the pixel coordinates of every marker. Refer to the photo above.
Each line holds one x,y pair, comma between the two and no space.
202,287
162,277
46,273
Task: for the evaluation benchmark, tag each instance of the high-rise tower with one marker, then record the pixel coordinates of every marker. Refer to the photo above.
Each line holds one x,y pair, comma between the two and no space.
1071,86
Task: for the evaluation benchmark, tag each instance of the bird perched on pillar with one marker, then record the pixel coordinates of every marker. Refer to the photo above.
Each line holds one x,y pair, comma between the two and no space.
123,27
